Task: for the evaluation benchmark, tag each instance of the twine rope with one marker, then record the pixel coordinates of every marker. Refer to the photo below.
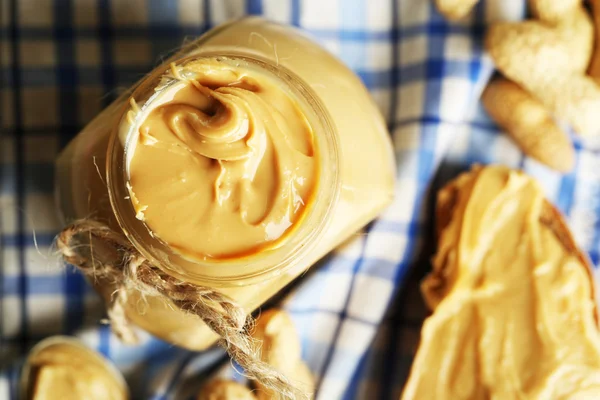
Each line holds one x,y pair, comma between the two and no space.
104,255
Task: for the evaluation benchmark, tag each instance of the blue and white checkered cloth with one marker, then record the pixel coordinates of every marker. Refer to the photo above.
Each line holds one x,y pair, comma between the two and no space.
358,311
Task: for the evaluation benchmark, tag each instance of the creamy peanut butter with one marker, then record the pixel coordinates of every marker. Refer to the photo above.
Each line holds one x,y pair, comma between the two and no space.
354,163
516,320
224,163
63,371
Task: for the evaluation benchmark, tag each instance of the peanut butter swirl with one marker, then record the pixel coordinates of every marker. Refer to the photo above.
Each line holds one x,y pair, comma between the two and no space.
224,163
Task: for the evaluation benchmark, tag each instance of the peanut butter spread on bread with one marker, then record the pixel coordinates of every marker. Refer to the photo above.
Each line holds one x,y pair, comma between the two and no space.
514,311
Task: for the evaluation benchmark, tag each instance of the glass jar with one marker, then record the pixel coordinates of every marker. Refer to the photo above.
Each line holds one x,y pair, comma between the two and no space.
356,175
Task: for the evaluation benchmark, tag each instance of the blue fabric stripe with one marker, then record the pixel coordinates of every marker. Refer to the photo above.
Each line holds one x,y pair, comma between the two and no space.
68,111
34,177
387,377
567,189
373,79
432,28
342,316
104,334
19,172
295,13
207,16
353,14
105,35
27,239
300,311
177,373
36,285
163,12
254,7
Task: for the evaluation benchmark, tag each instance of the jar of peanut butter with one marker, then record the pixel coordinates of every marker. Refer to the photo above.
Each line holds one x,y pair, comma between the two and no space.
235,165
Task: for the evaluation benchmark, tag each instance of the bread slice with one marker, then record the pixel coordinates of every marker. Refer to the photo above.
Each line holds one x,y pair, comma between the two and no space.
434,286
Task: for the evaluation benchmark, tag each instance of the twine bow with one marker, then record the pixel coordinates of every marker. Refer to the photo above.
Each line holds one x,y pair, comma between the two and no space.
102,254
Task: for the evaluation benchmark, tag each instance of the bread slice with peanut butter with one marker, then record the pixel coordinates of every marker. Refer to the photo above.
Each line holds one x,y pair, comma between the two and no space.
514,315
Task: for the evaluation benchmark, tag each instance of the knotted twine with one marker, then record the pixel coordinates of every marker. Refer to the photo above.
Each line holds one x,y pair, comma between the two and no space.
107,257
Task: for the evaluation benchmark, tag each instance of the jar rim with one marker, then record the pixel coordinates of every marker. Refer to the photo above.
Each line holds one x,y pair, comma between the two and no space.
256,267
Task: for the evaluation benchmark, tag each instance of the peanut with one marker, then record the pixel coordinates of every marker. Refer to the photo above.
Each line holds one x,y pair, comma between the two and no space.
454,9
550,62
528,123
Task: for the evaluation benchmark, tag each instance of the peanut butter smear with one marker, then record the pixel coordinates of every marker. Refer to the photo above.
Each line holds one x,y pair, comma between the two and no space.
65,372
225,162
517,316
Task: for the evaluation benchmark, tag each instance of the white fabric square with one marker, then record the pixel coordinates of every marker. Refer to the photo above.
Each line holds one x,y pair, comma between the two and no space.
11,316
369,298
411,97
39,106
130,12
379,56
333,45
91,338
40,213
277,10
506,151
42,262
87,52
41,149
446,135
402,207
335,291
413,50
7,107
355,335
7,153
8,216
454,102
388,246
352,247
353,54
45,313
4,385
550,179
459,142
317,14
382,98
33,13
132,52
413,13
222,11
37,53
332,388
379,15
458,47
190,12
90,102
85,13
327,324
407,137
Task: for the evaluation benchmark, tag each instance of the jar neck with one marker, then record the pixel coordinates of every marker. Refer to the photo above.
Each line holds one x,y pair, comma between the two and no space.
258,266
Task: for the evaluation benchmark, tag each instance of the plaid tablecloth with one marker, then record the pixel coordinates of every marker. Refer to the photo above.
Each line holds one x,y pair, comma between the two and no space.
358,311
